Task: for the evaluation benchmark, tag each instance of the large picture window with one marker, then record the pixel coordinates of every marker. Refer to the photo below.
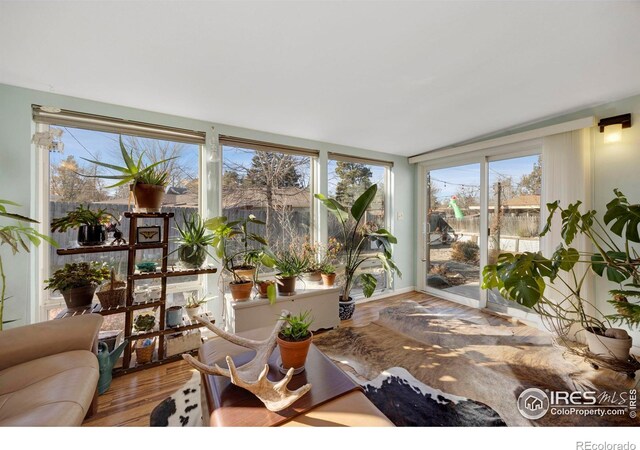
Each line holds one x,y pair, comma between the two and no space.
73,181
348,178
274,184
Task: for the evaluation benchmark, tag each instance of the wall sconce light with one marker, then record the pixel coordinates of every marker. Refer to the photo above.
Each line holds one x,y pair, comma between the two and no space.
612,127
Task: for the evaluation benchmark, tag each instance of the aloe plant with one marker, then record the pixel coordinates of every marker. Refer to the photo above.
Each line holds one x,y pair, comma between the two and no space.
133,171
357,238
193,239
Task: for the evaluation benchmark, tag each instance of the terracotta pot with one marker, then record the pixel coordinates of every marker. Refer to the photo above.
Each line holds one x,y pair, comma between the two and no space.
241,291
245,272
294,354
286,285
79,297
608,347
148,196
263,286
92,234
328,279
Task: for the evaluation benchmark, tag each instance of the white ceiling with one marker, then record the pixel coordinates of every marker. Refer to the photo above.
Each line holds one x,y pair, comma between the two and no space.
397,77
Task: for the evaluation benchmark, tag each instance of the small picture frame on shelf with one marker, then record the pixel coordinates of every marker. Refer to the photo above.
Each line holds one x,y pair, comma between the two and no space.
148,235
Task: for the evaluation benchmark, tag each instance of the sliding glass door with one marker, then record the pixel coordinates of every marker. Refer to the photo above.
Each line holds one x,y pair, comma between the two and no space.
513,213
452,231
470,211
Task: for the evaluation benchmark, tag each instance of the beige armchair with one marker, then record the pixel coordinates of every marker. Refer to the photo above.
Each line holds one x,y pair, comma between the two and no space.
49,372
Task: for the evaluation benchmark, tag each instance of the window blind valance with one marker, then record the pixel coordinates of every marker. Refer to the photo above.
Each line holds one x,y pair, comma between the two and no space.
354,159
115,125
250,144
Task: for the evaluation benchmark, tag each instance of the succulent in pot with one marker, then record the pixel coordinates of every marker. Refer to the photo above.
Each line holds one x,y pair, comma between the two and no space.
289,265
77,282
294,341
192,242
193,305
328,273
144,322
91,224
146,181
233,242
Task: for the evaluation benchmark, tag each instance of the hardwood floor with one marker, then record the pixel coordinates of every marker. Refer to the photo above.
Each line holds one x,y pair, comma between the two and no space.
132,397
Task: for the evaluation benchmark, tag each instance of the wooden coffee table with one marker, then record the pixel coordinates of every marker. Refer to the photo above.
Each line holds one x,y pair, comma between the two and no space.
231,405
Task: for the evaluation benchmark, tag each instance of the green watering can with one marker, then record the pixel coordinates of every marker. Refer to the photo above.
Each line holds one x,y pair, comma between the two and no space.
106,361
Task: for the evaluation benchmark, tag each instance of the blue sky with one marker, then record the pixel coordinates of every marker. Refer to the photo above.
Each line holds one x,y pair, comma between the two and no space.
449,180
104,147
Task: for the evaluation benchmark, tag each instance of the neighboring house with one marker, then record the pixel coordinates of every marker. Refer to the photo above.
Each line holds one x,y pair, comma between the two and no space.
517,206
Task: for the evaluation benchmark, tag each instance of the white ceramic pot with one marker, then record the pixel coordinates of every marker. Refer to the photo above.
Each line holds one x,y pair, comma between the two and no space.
192,312
608,347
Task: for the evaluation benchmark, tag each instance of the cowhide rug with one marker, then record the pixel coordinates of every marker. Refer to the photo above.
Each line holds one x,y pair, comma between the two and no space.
183,408
474,356
408,402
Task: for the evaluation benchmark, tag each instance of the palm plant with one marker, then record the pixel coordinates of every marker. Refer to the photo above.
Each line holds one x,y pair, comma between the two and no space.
356,238
16,237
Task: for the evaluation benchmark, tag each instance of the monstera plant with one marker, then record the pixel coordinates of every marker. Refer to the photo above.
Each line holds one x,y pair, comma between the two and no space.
356,239
528,278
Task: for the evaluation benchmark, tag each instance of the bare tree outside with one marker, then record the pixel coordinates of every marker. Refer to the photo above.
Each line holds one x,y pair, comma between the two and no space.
274,187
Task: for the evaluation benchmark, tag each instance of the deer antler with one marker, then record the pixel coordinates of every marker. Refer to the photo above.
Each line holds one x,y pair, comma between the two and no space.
252,376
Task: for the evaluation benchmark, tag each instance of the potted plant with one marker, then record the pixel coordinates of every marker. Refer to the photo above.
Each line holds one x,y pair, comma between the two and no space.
146,181
231,241
16,237
77,282
174,316
289,265
266,288
311,252
328,273
91,224
193,305
144,322
192,242
294,341
526,278
357,238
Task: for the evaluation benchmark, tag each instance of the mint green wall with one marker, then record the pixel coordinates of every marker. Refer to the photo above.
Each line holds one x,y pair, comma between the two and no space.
18,178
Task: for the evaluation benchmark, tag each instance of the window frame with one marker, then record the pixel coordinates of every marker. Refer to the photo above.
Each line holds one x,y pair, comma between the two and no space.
388,210
263,146
43,300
